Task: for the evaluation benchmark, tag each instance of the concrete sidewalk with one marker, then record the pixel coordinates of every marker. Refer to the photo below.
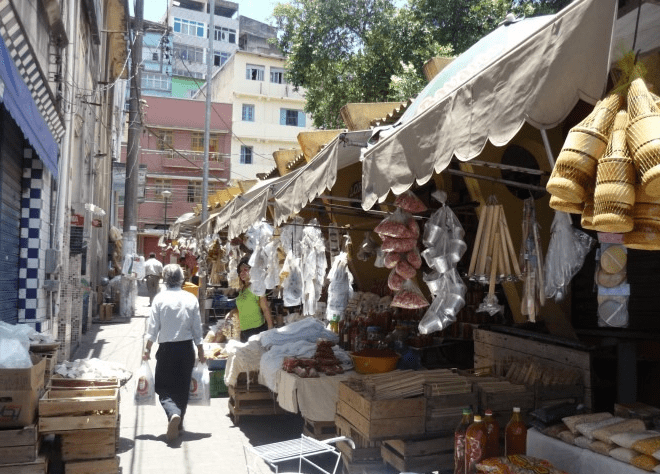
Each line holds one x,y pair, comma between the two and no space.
210,444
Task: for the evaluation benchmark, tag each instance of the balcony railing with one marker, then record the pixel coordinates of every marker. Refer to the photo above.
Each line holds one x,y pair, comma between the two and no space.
170,158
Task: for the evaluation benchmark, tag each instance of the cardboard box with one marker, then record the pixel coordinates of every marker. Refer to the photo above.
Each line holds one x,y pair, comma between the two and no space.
20,390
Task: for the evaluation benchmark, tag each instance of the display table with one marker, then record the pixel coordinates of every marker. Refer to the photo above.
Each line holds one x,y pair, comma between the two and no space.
573,459
315,398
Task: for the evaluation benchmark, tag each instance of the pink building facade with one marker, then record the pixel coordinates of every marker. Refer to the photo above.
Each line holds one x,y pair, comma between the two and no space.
172,148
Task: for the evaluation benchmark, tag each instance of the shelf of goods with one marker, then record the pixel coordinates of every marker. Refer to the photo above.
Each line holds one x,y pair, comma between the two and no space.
251,398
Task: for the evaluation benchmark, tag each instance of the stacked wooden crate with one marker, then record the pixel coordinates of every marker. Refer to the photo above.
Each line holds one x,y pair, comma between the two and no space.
87,422
411,415
249,397
319,429
19,451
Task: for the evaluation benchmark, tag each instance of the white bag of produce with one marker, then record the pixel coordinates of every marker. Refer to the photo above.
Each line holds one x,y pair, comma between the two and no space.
200,385
145,391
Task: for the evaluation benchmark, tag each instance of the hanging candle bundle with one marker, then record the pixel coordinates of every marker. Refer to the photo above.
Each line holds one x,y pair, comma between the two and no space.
531,261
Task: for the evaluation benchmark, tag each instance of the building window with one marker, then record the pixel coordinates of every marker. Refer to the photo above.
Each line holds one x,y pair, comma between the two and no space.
189,53
160,82
197,141
226,35
194,191
154,56
277,75
189,27
220,58
161,185
165,140
246,155
248,113
291,117
254,73
214,144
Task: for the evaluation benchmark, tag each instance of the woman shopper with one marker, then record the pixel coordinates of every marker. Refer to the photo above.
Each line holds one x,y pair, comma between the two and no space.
174,322
252,310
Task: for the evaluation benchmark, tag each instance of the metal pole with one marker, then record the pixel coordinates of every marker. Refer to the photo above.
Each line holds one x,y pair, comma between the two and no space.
201,266
127,302
166,195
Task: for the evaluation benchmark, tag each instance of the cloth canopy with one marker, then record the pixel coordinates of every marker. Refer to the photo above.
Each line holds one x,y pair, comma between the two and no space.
533,70
313,179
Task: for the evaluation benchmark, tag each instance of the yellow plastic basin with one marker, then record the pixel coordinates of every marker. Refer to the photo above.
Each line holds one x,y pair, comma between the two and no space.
374,365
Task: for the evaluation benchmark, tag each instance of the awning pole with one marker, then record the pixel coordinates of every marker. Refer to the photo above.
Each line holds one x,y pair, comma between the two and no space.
548,151
507,182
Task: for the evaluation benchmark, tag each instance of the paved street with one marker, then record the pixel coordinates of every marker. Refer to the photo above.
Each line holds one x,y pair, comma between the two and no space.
210,444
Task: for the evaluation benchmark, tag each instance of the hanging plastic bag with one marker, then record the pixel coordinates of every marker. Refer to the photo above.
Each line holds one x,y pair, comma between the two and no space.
435,319
367,248
395,281
396,225
200,385
292,287
392,244
379,262
145,389
390,259
409,297
409,202
406,270
414,258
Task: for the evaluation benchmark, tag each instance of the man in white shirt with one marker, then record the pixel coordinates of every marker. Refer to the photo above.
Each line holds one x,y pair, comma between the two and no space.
153,270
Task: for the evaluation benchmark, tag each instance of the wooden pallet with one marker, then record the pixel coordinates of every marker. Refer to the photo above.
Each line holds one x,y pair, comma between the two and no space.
319,429
39,466
93,466
89,444
19,445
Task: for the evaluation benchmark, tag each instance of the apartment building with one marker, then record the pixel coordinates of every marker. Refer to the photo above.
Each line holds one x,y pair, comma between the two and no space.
172,149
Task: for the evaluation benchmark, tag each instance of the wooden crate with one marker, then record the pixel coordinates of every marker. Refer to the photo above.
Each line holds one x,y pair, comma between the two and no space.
89,444
399,454
39,466
19,445
319,429
381,419
344,428
258,400
360,455
93,466
69,410
444,412
491,348
546,394
61,383
367,467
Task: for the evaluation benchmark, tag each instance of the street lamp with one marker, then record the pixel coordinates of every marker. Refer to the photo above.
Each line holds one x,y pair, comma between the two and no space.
166,195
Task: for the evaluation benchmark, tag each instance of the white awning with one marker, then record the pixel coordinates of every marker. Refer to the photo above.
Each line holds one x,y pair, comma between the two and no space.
313,179
533,70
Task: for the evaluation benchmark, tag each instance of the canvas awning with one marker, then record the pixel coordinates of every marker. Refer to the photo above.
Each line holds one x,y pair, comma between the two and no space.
313,179
533,70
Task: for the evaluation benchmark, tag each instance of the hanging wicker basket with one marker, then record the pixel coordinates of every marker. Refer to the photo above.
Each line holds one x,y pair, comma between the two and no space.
559,204
645,234
643,135
614,195
575,170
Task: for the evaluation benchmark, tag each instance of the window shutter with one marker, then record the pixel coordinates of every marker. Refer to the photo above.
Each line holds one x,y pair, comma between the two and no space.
282,116
301,119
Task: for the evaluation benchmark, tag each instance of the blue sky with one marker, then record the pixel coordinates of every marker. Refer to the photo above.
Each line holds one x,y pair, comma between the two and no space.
256,9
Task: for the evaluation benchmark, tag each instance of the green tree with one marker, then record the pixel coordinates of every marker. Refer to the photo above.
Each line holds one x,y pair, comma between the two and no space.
344,51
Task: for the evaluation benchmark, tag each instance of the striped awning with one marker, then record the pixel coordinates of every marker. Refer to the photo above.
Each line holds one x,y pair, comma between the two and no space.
25,62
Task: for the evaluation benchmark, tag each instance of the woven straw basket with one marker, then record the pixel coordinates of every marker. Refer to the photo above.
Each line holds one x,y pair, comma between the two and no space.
645,234
587,221
559,204
643,135
615,182
575,170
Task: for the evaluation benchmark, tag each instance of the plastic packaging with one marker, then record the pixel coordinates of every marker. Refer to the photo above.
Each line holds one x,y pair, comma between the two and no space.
567,250
396,225
409,297
367,248
390,259
392,244
200,385
395,281
145,393
409,202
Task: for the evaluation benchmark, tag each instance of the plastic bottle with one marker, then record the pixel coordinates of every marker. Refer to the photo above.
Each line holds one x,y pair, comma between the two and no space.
492,435
515,436
459,441
475,442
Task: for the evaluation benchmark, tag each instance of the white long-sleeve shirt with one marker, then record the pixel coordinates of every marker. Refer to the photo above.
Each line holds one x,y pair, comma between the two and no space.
153,267
175,317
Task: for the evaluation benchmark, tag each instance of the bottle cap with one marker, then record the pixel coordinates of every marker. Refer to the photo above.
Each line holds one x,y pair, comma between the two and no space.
477,418
488,413
467,411
516,409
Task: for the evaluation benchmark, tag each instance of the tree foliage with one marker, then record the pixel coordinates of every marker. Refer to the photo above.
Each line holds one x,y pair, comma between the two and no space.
344,51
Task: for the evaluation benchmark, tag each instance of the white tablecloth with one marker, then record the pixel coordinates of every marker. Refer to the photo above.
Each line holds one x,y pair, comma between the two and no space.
315,398
572,459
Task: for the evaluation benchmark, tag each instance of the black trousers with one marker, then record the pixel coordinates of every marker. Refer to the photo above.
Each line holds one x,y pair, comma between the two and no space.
174,366
245,335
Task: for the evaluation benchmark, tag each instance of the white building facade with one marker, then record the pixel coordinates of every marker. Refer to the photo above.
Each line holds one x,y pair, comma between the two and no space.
267,114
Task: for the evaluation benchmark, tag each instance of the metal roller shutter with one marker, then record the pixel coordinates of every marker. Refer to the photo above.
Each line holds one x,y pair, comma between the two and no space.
11,152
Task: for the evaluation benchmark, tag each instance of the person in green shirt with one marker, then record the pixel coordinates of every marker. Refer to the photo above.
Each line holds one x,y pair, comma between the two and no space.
253,311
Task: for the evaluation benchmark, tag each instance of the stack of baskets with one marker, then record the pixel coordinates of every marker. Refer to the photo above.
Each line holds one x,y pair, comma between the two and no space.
609,168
